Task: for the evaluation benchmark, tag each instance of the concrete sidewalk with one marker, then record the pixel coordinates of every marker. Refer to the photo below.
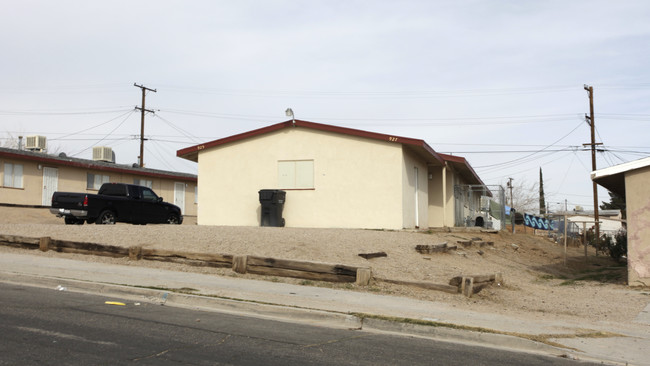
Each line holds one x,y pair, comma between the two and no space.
337,308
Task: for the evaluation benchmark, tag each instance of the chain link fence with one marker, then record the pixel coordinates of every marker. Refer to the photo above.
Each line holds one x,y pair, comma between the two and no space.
480,206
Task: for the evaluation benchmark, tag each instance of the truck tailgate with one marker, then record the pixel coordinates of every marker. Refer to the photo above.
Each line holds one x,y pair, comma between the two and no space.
68,200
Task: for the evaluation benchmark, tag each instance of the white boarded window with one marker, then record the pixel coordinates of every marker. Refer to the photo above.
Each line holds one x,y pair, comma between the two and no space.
95,181
296,174
13,175
143,182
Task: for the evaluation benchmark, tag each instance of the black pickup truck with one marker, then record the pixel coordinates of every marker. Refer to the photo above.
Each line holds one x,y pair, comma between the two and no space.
115,202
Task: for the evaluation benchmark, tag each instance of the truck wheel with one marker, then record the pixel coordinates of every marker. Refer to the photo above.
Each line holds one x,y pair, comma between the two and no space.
173,219
107,217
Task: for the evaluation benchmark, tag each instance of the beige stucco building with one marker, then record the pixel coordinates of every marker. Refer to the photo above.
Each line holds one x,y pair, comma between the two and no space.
630,180
334,177
30,178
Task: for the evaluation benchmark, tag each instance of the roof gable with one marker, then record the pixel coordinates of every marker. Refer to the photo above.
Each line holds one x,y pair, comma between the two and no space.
191,153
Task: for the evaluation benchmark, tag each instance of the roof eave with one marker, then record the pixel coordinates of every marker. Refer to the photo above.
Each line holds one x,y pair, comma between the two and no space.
463,164
90,165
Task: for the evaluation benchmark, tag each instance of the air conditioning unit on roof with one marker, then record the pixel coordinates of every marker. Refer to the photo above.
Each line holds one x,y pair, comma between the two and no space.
103,153
36,143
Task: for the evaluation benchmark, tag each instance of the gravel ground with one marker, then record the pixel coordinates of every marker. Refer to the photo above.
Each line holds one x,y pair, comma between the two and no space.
536,281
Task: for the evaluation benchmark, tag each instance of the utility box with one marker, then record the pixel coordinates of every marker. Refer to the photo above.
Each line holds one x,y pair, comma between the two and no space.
272,201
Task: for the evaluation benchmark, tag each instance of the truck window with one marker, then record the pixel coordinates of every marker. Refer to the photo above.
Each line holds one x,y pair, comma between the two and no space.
149,195
113,190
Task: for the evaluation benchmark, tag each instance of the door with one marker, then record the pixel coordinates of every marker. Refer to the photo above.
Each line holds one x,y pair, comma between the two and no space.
417,198
151,208
50,184
179,196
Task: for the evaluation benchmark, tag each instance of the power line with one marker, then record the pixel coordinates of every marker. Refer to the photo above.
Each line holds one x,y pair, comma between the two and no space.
373,94
93,127
65,88
504,173
102,139
399,121
536,152
571,148
183,132
161,159
51,112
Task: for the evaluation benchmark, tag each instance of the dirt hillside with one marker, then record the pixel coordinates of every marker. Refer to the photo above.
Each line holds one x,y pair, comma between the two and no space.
536,281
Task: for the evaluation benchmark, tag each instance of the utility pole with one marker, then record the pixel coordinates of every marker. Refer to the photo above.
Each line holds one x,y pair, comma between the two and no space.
510,186
143,110
590,121
512,204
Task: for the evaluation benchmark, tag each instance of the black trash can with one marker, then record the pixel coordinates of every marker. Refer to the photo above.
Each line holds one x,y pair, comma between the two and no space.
272,201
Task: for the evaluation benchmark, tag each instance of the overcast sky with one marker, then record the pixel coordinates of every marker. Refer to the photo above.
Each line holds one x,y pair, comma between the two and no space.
497,82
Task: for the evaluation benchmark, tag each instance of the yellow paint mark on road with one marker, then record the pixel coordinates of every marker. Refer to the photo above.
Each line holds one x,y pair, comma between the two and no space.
115,303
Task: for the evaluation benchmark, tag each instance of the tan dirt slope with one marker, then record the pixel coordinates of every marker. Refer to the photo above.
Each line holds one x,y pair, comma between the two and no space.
536,281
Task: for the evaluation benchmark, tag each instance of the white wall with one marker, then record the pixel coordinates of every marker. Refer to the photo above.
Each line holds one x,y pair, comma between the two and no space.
357,181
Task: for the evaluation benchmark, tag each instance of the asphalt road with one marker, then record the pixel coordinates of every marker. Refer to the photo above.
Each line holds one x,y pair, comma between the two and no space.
50,327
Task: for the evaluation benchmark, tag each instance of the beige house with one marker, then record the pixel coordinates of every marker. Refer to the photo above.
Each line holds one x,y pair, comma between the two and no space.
29,178
630,180
334,177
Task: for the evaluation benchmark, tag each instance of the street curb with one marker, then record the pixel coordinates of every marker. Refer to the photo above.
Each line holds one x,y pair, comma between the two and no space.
282,312
443,333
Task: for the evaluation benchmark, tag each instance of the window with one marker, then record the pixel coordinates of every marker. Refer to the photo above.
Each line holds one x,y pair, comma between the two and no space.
13,175
143,182
296,174
118,190
147,194
95,181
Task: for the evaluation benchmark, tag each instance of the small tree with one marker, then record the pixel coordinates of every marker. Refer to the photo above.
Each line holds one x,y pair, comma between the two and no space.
616,202
9,141
524,196
616,246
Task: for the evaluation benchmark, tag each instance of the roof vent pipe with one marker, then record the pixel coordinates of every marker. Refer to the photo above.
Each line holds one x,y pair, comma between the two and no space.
289,113
20,142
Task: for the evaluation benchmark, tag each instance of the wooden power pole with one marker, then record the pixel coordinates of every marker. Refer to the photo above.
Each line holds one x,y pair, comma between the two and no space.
512,206
590,121
143,110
